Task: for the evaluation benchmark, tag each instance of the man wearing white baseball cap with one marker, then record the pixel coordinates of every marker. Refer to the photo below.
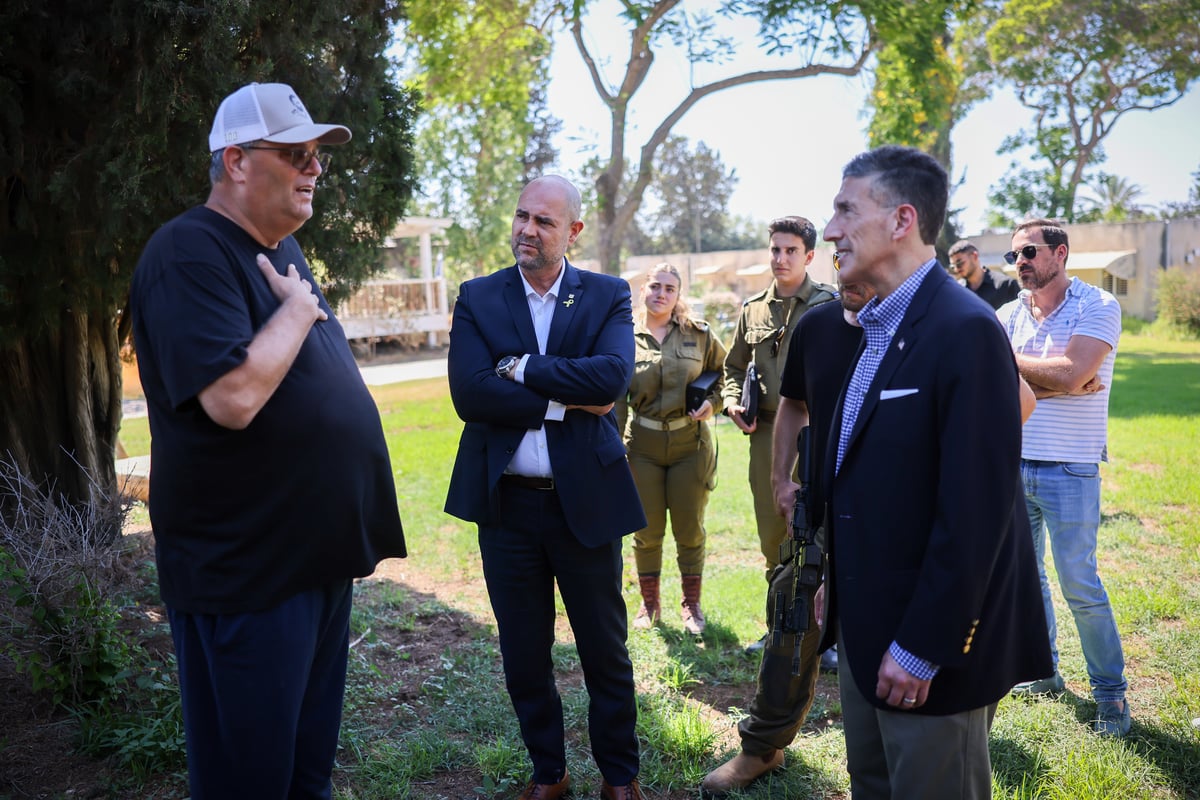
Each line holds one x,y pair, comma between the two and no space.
272,485
269,111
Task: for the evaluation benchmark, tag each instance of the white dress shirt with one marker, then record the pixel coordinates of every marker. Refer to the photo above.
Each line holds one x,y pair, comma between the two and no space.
533,457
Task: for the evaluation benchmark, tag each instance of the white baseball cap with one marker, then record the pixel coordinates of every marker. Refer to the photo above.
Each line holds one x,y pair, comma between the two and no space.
269,111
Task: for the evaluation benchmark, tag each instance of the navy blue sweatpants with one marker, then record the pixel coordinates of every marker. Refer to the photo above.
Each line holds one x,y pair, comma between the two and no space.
262,696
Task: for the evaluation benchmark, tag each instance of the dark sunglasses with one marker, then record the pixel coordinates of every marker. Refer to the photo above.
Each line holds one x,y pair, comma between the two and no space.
1029,251
301,159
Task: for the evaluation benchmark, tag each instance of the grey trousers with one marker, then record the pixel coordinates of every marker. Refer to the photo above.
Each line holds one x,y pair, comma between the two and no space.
897,755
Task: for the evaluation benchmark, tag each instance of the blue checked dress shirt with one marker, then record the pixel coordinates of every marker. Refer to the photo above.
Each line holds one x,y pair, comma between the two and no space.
879,320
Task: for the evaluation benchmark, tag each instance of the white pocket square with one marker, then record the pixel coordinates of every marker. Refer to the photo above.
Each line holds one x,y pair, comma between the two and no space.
889,394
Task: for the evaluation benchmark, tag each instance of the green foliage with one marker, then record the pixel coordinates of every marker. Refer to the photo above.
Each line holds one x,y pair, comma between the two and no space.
503,763
1037,191
105,109
142,732
675,728
1078,65
693,188
916,79
58,622
115,101
482,70
1115,200
1179,299
808,38
71,652
721,311
690,189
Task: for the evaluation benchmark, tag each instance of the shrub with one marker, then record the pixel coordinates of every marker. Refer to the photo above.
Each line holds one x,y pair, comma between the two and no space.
721,311
58,570
142,731
1179,299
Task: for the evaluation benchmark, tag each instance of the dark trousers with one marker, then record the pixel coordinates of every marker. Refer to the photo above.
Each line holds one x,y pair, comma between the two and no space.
262,696
523,556
781,699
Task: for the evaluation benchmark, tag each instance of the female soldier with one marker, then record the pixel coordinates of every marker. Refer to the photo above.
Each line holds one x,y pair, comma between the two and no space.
671,448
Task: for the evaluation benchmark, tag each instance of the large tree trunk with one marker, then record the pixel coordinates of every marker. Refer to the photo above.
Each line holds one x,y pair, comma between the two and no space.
60,410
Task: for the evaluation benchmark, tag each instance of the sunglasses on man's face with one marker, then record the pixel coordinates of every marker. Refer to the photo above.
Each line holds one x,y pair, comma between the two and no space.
301,159
1029,251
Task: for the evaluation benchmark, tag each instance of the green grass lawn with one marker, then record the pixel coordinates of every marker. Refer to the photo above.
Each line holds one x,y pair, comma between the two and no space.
457,720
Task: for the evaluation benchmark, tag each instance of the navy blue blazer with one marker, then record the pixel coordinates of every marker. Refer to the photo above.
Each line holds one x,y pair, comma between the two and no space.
928,535
588,361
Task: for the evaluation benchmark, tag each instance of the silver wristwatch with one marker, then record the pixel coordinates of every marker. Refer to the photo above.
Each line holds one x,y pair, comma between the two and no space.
506,365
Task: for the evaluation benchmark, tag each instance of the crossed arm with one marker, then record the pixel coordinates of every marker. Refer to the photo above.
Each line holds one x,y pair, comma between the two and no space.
1074,372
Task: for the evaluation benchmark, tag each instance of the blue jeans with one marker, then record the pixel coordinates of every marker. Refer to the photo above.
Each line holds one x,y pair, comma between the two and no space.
1064,503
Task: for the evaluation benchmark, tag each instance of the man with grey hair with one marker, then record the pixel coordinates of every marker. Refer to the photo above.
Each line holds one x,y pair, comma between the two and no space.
993,288
539,353
932,590
272,485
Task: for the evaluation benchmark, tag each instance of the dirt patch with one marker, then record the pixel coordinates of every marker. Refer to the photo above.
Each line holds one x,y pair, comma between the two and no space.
39,755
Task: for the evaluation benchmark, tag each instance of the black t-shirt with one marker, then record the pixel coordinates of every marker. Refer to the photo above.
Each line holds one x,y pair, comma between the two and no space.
819,360
304,495
997,288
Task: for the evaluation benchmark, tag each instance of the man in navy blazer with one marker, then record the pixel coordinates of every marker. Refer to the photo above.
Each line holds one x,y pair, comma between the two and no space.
933,592
539,352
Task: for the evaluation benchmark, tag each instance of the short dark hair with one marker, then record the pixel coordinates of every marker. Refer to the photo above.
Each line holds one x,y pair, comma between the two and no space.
962,246
906,175
797,226
1053,232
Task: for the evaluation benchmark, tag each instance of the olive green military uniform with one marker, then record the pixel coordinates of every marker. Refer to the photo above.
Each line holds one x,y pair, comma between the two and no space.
763,334
671,455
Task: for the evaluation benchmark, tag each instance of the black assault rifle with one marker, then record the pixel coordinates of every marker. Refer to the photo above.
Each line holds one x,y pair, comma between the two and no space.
804,555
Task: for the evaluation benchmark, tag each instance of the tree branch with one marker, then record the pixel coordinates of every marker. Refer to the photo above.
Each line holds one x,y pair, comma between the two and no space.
629,207
586,55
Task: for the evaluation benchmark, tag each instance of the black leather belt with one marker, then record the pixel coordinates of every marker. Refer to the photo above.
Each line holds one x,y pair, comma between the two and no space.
527,482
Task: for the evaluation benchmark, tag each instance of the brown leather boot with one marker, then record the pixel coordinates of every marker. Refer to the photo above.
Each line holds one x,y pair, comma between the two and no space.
693,617
738,773
651,610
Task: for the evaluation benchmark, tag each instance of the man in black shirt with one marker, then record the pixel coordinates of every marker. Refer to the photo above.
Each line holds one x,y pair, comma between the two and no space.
993,288
819,356
272,485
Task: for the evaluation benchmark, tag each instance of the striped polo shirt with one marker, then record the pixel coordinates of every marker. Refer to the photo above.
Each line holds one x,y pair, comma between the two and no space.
1069,428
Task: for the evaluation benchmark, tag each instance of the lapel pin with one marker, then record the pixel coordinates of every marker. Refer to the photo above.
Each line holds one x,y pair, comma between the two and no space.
569,301
900,344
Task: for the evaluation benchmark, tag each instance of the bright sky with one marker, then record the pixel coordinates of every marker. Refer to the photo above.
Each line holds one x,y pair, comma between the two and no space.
788,140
